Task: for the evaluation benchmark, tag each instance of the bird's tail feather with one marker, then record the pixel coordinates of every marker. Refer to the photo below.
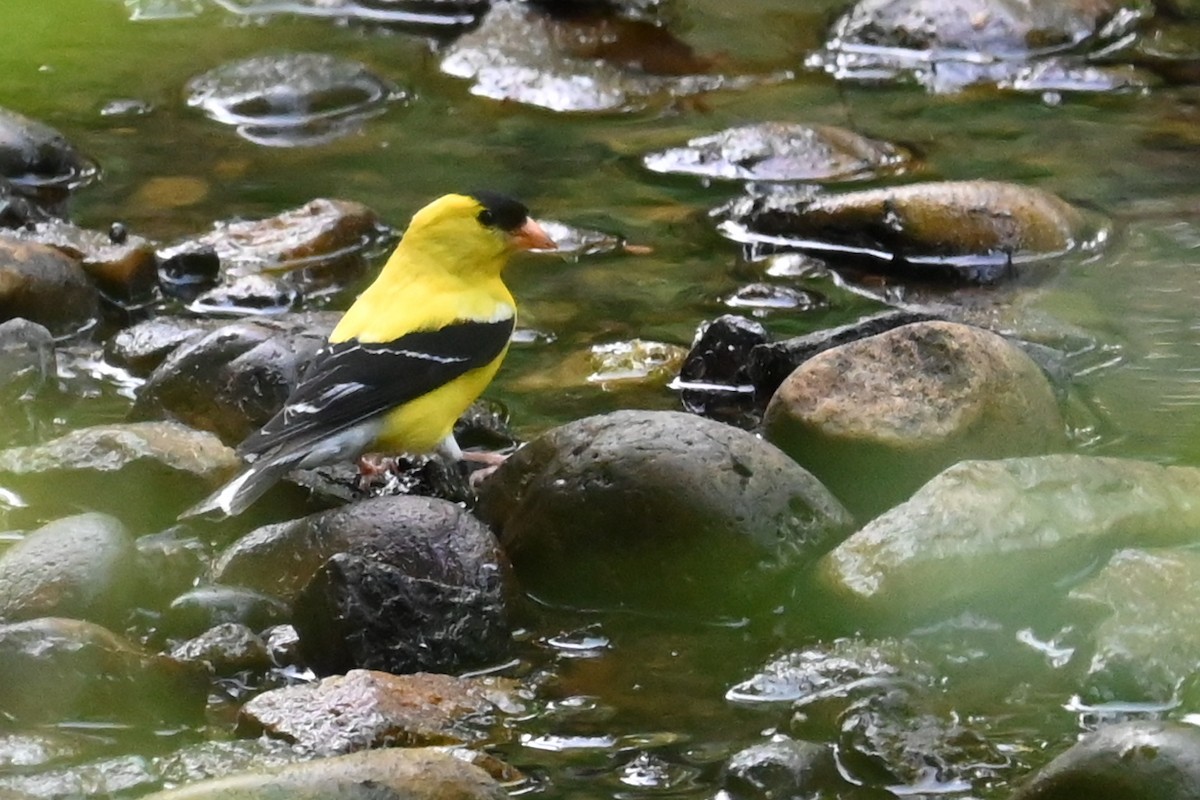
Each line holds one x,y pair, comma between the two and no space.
236,496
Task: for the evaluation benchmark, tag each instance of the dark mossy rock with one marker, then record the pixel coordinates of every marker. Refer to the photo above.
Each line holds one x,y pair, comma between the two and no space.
658,510
205,607
140,348
228,648
18,210
713,380
40,284
983,527
1142,759
976,232
366,709
394,583
234,379
83,566
876,418
781,151
387,774
56,669
38,160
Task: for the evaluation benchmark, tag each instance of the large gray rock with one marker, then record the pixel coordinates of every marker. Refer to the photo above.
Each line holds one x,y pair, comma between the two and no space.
1003,534
1147,643
1159,760
876,418
658,510
83,566
395,773
399,584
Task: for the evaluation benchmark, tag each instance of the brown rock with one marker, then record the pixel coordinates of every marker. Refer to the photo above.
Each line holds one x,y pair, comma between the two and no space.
44,286
876,418
366,709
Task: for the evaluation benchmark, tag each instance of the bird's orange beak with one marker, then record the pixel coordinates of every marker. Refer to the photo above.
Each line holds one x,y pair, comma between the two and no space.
530,236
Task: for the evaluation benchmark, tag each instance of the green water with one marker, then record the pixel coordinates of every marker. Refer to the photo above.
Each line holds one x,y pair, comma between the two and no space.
656,692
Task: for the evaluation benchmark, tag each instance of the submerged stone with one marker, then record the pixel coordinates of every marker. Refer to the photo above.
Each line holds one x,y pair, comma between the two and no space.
658,510
1147,644
965,231
1005,535
27,359
781,151
292,99
876,418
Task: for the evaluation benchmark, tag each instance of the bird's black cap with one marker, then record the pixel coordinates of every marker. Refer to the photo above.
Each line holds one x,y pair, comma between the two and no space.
500,211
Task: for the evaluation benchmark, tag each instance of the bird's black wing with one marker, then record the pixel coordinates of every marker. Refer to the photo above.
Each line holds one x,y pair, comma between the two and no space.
349,382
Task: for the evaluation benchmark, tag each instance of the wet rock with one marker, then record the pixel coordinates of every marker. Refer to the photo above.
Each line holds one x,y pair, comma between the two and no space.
713,379
427,476
1129,759
578,63
834,670
781,151
205,607
292,99
320,233
768,365
57,669
411,773
394,583
44,286
894,738
632,360
963,231
38,160
571,241
234,379
762,298
249,295
36,749
124,270
1147,643
983,527
27,359
188,266
17,210
786,767
657,510
212,759
161,459
876,418
143,346
228,649
171,563
83,566
364,709
433,16
948,45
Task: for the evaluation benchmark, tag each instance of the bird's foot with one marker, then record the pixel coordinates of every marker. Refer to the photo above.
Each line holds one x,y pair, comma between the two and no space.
490,461
371,466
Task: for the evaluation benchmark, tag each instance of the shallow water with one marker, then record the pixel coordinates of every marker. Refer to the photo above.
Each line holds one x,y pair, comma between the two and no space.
639,705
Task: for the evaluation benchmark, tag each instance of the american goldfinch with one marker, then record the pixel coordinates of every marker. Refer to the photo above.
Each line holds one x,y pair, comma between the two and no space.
413,351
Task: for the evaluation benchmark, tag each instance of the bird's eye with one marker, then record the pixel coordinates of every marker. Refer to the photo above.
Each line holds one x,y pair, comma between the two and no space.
486,218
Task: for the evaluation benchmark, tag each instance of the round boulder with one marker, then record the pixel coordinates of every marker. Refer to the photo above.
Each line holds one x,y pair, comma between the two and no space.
44,286
876,418
398,584
82,566
1130,759
655,509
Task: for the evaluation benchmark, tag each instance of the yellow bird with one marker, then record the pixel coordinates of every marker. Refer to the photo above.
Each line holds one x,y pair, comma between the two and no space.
413,351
